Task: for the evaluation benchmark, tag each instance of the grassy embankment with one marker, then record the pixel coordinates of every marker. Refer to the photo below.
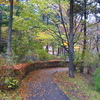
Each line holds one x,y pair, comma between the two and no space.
78,88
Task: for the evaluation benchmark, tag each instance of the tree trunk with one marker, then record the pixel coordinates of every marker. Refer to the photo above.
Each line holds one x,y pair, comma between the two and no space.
71,46
47,48
58,51
98,51
10,34
84,42
0,28
53,51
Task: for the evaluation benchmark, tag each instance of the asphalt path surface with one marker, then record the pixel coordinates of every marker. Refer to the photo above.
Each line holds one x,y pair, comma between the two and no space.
41,86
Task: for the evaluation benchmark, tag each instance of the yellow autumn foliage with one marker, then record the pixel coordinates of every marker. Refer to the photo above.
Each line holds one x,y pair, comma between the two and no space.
76,46
6,2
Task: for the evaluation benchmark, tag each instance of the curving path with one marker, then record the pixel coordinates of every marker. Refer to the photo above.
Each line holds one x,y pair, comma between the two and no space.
39,86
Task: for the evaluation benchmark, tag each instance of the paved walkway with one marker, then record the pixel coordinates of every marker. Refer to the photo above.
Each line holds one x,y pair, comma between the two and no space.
41,86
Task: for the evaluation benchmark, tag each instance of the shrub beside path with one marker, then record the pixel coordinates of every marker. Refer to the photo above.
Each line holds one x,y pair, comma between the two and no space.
38,85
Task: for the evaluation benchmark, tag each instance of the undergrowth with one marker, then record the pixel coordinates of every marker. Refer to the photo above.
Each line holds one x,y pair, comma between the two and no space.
77,88
97,79
9,96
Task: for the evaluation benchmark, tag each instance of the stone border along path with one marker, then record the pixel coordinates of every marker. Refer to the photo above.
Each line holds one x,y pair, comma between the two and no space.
40,86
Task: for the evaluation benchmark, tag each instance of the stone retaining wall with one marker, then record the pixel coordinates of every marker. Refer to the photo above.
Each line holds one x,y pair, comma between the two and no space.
23,69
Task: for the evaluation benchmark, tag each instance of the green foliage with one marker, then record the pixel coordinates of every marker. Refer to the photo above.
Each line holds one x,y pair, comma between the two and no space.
77,59
30,32
90,59
11,82
43,55
5,14
64,57
97,79
78,8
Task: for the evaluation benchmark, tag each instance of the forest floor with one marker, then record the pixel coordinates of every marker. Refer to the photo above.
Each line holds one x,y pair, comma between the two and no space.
78,88
54,84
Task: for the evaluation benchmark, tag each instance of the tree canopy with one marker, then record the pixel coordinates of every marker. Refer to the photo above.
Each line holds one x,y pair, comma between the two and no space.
63,24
